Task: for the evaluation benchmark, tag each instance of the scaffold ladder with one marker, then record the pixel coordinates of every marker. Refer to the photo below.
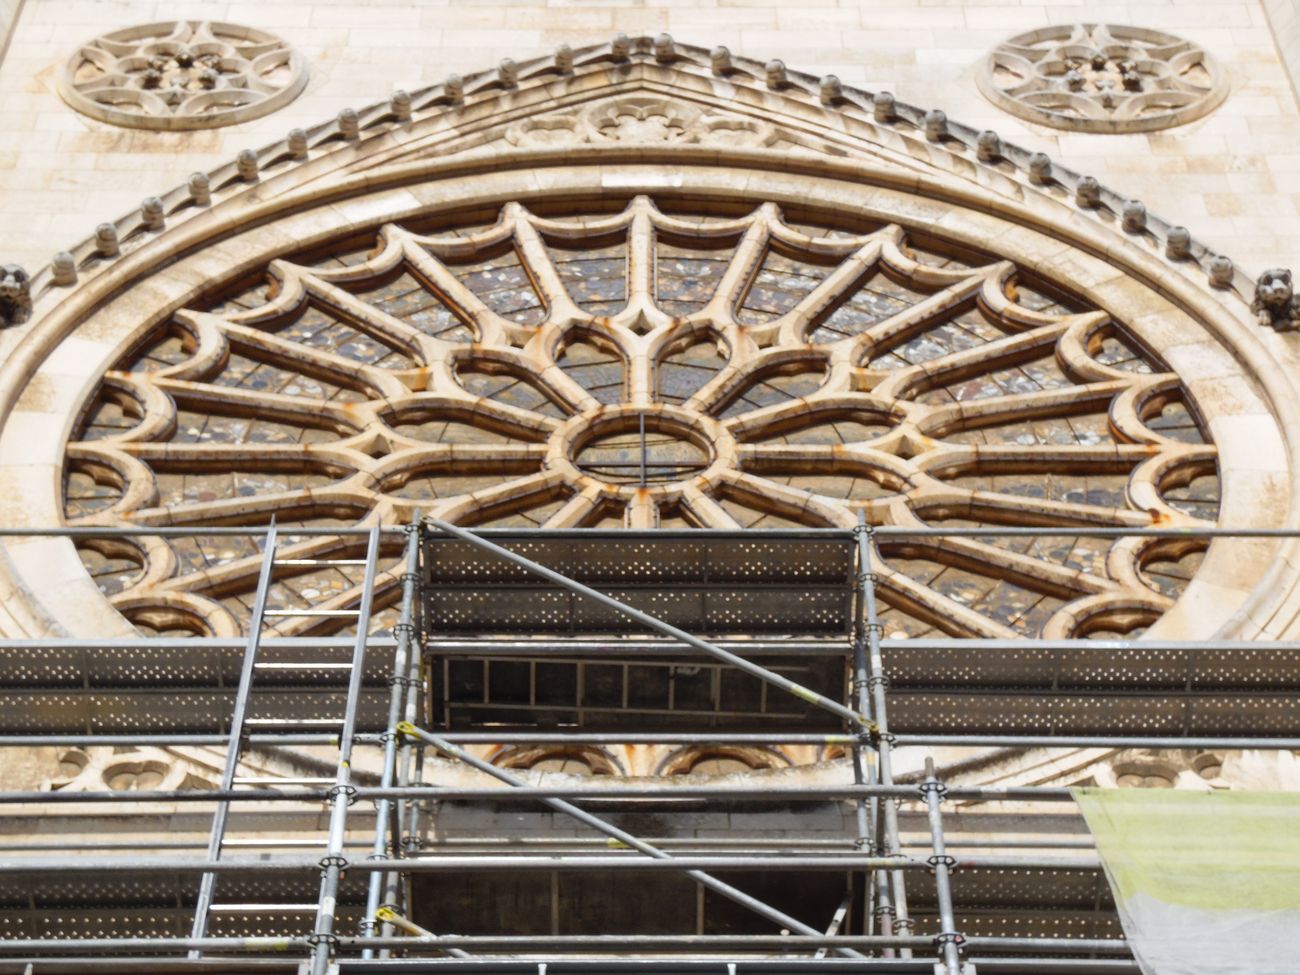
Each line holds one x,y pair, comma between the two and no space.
205,905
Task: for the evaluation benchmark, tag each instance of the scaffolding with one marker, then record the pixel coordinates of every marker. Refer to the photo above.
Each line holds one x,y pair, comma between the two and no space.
777,637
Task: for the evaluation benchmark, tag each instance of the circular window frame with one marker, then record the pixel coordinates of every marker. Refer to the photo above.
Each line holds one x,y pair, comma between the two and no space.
1215,351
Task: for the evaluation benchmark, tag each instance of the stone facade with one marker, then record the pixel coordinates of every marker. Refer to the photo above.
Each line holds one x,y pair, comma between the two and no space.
620,127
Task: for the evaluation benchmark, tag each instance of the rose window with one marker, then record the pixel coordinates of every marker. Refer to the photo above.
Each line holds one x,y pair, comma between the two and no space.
651,365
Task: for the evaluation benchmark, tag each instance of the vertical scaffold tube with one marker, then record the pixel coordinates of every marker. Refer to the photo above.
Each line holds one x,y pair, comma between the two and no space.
948,939
880,715
323,938
864,767
404,631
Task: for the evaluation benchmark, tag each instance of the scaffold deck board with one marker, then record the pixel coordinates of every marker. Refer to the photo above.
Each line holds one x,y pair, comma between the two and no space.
707,583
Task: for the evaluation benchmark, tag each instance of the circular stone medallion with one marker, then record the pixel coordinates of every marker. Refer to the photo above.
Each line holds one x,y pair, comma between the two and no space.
181,75
1102,78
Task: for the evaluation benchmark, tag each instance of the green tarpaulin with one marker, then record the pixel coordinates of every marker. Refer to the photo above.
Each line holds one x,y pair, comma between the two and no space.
1207,883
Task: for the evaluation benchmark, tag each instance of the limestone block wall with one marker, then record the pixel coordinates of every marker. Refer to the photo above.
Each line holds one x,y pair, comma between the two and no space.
1232,177
1284,18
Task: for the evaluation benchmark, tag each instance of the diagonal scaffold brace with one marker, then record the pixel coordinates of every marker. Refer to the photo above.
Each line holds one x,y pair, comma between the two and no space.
622,836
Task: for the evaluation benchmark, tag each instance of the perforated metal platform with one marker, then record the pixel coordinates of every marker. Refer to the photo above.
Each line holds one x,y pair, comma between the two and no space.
793,583
1081,688
185,686
135,904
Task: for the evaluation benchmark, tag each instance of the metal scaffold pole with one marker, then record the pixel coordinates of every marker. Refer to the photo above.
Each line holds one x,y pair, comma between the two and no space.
949,938
323,938
876,884
897,891
387,809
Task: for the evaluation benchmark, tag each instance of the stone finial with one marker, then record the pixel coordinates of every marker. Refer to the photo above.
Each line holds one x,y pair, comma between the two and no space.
665,49
830,89
106,241
621,47
349,124
454,89
564,59
1178,244
720,60
1134,216
1087,192
884,107
15,295
508,73
1221,272
776,76
935,125
298,143
1040,168
63,269
151,212
247,165
988,146
401,105
1275,304
200,188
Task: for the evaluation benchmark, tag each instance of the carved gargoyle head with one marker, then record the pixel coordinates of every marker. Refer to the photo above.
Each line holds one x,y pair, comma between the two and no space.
1275,303
15,295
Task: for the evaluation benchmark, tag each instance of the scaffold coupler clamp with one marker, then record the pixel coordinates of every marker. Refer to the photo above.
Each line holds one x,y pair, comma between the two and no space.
334,791
949,938
942,859
869,732
932,785
321,938
333,860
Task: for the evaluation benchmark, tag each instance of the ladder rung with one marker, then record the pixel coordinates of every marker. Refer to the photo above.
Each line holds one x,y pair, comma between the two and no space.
272,780
312,612
294,721
259,908
302,666
320,562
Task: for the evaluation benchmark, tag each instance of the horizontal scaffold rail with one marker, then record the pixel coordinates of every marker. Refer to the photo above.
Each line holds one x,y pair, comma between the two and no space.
539,862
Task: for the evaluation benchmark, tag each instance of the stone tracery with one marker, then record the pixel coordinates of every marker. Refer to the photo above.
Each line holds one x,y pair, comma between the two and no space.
182,75
778,374
1102,78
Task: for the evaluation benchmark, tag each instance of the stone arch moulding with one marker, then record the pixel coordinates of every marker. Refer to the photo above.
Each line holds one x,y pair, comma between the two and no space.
646,125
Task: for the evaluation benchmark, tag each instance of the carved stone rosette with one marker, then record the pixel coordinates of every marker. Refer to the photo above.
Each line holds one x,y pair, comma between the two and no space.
182,75
1102,78
645,368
